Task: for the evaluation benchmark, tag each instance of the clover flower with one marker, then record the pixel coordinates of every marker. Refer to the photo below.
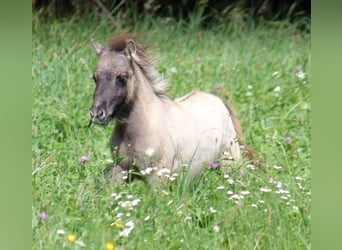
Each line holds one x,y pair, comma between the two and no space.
214,165
83,159
43,216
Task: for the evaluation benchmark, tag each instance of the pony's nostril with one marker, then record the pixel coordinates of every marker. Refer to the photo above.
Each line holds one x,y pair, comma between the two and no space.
101,114
91,114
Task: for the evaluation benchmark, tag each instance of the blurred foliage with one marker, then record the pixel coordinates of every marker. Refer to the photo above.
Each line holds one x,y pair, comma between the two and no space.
209,10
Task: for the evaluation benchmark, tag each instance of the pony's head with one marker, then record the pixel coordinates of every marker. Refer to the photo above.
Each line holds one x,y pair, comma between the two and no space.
113,79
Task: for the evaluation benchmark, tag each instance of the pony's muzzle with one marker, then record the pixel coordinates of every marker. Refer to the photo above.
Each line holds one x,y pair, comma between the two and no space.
97,115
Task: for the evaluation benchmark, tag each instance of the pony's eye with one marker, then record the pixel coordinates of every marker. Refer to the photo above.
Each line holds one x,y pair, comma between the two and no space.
121,81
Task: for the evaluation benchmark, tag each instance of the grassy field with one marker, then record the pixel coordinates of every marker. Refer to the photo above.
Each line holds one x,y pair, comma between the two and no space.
267,73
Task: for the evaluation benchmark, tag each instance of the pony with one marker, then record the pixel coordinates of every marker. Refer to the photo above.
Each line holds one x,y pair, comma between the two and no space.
153,132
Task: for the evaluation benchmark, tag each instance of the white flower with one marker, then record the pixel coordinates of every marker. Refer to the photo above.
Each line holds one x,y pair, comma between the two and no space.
249,86
212,210
277,89
220,187
282,191
295,208
147,218
173,70
250,166
246,192
217,228
61,231
254,205
298,178
149,152
265,190
261,201
300,74
236,197
277,167
231,181
230,192
164,172
80,243
127,230
275,73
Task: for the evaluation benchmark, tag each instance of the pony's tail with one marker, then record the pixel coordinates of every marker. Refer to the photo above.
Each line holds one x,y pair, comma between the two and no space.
248,151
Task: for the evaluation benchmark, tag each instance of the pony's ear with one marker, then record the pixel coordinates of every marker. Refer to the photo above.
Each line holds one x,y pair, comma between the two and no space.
131,47
99,48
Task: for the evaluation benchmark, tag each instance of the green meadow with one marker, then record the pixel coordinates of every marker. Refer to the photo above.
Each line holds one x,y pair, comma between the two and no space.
264,70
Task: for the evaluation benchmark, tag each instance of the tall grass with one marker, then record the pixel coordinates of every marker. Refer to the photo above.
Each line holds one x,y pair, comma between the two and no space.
266,208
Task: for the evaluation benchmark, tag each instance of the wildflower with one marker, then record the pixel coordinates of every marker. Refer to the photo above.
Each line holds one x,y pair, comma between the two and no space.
235,197
110,245
80,243
230,192
277,89
277,167
217,227
295,208
300,73
249,86
212,210
173,177
254,205
149,152
275,73
246,192
265,190
282,191
146,171
231,181
250,166
128,229
61,231
117,224
71,238
173,70
43,216
163,172
214,165
147,218
83,159
220,187
288,139
298,178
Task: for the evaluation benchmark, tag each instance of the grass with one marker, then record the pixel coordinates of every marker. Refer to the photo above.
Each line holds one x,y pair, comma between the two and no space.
267,208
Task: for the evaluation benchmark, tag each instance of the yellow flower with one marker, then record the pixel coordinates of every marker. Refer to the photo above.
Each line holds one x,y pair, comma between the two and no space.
71,238
117,224
110,245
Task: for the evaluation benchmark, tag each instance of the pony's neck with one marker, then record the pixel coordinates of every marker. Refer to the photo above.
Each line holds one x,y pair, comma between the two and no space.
139,108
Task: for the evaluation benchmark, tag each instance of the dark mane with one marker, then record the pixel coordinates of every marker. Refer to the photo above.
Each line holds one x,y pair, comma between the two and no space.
144,61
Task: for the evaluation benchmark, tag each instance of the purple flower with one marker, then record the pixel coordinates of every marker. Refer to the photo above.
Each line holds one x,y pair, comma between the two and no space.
214,165
43,216
288,139
83,159
298,69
